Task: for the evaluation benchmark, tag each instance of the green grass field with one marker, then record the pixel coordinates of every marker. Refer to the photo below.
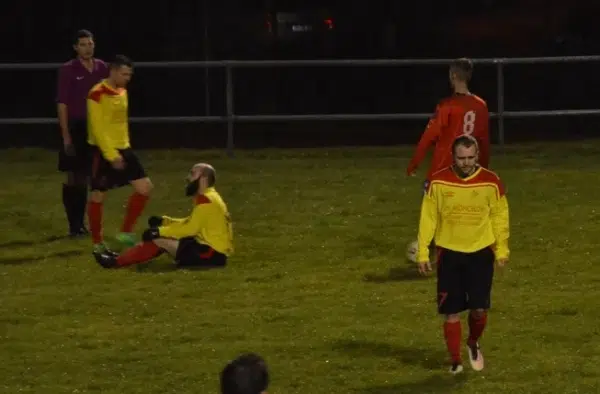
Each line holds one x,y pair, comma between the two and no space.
319,284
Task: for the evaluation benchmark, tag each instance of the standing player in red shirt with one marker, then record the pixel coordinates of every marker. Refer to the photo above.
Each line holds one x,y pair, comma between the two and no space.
463,113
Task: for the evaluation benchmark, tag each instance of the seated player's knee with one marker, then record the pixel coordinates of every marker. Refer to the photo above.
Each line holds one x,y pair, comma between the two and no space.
97,196
143,186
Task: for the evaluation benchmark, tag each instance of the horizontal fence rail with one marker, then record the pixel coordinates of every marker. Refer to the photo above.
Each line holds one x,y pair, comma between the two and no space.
230,118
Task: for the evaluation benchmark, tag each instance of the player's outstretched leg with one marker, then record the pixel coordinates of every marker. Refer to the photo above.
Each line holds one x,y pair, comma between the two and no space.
477,323
140,253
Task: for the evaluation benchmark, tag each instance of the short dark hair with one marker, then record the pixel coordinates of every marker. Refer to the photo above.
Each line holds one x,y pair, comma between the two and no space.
462,68
465,140
121,60
82,33
247,374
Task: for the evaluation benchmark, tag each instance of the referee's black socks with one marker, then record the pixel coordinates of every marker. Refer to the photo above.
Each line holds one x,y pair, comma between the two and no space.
74,199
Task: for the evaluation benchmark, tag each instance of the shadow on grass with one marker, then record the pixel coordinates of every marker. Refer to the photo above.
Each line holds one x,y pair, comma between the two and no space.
162,267
432,385
32,259
396,274
22,243
428,359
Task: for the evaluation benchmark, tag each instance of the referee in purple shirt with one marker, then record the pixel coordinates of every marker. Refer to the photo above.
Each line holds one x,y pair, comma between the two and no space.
75,79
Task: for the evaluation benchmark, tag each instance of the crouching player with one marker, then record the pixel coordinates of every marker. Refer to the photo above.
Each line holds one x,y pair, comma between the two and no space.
203,239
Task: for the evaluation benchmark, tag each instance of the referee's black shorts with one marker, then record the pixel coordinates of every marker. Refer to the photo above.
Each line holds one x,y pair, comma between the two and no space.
78,162
464,280
191,253
104,177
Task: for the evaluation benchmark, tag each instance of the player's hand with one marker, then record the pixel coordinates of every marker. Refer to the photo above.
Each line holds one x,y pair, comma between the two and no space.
118,163
501,262
68,145
412,173
155,221
69,149
424,267
150,234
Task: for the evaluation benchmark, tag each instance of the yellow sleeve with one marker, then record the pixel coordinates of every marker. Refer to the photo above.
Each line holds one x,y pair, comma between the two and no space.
97,127
500,225
427,225
169,220
190,227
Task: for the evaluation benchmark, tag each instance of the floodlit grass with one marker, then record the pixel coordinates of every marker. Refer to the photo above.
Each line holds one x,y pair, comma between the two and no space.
319,284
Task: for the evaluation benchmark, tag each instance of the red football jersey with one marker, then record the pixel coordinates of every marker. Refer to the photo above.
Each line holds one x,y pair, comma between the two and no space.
454,116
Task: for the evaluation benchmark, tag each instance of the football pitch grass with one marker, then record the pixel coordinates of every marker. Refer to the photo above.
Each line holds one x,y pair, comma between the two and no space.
319,284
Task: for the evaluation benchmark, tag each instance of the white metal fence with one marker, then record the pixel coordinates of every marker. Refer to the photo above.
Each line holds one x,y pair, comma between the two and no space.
231,118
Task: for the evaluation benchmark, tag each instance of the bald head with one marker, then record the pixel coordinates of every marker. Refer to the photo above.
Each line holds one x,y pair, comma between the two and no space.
205,170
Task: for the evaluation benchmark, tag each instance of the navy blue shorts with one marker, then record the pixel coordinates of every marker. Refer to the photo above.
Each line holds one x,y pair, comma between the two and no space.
190,253
464,280
104,177
79,161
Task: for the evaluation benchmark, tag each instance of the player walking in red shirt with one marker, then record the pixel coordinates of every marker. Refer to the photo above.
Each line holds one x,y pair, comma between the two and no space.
460,114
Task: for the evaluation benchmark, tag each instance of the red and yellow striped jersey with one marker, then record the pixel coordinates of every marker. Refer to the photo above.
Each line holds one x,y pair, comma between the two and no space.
108,119
464,214
209,223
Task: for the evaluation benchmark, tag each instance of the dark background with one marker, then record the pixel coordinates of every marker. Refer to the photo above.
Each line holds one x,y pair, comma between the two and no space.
34,31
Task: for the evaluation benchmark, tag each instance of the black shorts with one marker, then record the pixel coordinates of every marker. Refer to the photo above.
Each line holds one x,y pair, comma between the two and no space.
190,253
79,161
464,280
104,177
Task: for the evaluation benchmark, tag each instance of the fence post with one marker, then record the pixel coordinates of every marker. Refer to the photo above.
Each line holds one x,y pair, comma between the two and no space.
500,88
229,104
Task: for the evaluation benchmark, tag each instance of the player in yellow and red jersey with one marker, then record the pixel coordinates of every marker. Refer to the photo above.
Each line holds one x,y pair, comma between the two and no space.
465,211
114,164
203,239
463,113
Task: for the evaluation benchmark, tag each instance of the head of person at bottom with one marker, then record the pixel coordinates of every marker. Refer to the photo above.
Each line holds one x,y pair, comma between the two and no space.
247,374
201,177
465,152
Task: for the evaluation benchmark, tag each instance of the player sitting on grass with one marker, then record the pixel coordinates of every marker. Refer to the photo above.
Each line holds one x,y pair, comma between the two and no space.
203,239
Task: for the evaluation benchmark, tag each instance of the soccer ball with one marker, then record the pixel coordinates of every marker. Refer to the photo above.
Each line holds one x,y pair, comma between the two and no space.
411,251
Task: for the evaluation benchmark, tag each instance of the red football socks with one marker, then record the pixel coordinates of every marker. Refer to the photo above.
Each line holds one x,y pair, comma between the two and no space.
135,207
95,220
476,326
452,335
140,253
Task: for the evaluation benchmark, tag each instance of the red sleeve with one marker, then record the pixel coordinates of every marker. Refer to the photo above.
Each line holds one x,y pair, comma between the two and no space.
430,136
484,152
484,143
63,90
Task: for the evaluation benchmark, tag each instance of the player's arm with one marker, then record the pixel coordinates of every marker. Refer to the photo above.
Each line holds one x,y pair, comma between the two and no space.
499,217
166,220
189,227
430,136
63,93
484,141
98,125
427,224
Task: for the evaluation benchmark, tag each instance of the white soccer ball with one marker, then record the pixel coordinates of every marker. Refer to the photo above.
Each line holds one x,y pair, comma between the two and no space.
411,251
